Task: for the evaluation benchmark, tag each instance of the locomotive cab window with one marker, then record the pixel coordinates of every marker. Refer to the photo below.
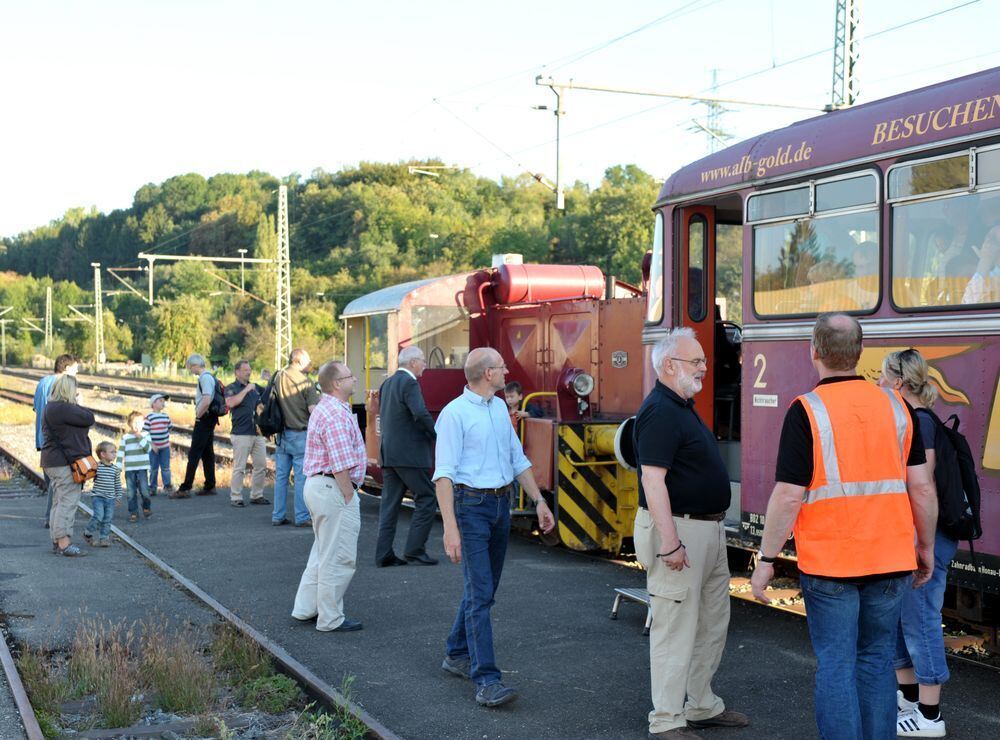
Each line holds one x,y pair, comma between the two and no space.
823,258
946,231
654,301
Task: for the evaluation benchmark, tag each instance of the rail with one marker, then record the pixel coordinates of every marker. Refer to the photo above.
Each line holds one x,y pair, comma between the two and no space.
328,695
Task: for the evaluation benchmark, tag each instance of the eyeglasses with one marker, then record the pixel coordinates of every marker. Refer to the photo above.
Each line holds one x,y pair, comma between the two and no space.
899,367
695,362
343,377
497,367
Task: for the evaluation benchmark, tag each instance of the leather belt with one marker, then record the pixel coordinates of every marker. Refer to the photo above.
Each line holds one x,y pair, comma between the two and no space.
704,517
331,476
501,491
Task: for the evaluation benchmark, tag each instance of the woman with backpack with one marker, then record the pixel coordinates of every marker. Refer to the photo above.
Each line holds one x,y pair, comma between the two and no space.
920,659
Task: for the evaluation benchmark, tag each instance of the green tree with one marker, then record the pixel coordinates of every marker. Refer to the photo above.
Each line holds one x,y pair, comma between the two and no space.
181,328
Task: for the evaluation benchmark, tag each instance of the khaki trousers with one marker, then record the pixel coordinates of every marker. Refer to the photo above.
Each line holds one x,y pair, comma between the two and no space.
248,446
690,610
334,553
65,496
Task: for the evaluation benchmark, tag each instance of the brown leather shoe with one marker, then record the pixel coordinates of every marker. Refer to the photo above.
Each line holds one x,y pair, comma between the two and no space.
728,718
678,733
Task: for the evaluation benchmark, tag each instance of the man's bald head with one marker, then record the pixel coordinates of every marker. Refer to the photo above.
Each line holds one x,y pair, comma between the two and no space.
837,341
479,361
330,373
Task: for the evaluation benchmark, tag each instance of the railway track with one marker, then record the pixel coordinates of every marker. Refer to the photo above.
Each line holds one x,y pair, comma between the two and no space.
29,481
114,424
123,386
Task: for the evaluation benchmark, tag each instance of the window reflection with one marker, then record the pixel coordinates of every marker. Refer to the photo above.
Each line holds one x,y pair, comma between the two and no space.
815,265
654,301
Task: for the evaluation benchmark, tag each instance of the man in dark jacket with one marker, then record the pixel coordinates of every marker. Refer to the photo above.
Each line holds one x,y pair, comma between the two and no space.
407,431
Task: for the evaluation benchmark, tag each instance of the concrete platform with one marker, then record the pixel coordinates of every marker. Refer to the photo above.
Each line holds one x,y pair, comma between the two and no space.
581,674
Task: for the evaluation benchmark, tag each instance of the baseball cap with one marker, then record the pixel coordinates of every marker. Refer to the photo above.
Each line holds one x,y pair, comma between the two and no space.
153,397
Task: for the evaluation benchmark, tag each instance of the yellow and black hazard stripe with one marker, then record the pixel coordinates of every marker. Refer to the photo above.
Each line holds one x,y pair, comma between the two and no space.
586,503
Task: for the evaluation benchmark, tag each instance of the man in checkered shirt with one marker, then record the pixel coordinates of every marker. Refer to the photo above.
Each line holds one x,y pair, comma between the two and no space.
334,466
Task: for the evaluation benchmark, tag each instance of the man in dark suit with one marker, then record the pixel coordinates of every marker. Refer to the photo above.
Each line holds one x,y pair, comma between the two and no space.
407,458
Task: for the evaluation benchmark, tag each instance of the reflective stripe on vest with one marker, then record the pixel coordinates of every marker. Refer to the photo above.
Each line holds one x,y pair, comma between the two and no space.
835,487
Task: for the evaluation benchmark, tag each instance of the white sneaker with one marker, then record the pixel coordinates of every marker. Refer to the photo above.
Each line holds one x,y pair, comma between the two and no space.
912,723
903,705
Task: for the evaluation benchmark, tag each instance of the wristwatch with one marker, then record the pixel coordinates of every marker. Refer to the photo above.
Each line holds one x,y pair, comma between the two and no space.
762,558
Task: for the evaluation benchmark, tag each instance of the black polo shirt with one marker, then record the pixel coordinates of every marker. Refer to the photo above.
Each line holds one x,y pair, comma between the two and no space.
244,416
795,448
670,434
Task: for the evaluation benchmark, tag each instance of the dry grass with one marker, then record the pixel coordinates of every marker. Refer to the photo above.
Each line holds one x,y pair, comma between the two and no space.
174,668
119,686
239,657
45,687
16,413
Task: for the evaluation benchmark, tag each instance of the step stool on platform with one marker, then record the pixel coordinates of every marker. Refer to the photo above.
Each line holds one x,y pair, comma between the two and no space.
635,595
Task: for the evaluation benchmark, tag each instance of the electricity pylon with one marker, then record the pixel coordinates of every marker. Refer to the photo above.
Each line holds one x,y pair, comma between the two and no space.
283,295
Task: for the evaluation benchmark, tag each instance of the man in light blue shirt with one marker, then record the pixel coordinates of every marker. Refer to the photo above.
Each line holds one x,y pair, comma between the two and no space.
477,457
65,364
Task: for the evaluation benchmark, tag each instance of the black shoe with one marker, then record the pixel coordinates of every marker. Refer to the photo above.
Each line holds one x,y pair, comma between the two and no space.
206,491
260,500
238,502
278,522
389,560
304,524
424,559
348,625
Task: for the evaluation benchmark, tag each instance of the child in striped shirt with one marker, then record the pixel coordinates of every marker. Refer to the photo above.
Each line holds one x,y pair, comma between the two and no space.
133,458
158,426
107,491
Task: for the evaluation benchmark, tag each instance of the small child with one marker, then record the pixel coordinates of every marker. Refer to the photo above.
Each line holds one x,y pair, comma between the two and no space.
157,425
107,491
513,392
133,458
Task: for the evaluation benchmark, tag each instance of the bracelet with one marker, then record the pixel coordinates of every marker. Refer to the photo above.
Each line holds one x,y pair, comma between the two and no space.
668,554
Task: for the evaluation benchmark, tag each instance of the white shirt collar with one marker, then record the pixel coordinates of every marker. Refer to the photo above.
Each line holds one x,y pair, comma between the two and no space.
407,371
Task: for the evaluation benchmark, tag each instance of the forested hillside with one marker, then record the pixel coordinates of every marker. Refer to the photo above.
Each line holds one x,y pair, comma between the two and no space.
351,232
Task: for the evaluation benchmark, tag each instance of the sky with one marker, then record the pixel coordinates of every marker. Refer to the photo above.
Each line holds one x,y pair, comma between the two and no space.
98,98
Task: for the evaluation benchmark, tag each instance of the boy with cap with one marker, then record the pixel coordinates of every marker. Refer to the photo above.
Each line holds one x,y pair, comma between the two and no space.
157,425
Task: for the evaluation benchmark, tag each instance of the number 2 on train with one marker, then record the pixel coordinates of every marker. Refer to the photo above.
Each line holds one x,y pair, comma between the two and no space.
760,360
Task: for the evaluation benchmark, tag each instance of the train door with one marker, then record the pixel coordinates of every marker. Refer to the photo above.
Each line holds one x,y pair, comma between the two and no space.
696,297
571,340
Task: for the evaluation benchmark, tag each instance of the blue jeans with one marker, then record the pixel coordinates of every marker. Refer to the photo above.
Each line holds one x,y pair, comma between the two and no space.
159,467
137,484
100,520
920,642
288,457
852,625
484,524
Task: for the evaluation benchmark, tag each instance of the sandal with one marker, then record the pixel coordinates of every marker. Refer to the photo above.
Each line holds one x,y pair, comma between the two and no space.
71,551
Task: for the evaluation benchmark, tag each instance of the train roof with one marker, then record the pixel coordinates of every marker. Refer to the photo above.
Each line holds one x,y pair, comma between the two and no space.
384,300
964,107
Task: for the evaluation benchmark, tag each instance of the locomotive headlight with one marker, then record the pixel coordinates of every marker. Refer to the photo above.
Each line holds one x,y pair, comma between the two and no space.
583,385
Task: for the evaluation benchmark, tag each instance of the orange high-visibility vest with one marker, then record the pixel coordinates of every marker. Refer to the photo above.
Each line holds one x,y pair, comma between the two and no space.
856,518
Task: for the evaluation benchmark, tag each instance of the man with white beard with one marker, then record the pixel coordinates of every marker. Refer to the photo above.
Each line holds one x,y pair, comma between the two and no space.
681,541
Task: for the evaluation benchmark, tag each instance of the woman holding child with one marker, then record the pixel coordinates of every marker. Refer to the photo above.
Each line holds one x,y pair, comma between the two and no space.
66,426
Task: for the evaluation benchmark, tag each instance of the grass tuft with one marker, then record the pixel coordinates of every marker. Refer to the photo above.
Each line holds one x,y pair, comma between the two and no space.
272,694
175,670
45,687
242,659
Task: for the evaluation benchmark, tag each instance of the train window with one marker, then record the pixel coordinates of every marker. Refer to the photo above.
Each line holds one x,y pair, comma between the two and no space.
851,192
654,301
778,204
697,278
988,167
442,332
809,266
946,252
934,176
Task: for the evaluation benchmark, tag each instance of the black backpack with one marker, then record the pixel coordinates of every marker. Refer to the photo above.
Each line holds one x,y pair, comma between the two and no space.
218,405
956,481
271,421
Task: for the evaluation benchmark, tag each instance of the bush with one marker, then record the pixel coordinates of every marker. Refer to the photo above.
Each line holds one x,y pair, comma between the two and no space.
272,694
